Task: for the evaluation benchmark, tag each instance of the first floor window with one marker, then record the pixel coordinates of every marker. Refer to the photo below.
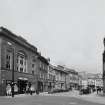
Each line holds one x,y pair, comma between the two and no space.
21,69
21,62
9,59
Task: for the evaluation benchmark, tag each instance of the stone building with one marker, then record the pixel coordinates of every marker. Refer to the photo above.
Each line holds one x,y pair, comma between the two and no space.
43,65
73,79
20,58
91,80
98,80
60,77
51,78
83,80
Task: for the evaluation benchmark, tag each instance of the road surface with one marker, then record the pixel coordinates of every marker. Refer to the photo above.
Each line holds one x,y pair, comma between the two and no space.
44,100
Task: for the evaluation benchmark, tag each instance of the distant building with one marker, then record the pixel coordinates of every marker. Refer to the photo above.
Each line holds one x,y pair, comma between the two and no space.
42,79
68,76
83,81
60,77
90,80
73,78
95,80
98,80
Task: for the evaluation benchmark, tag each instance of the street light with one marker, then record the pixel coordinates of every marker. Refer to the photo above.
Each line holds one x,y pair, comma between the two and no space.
13,75
12,84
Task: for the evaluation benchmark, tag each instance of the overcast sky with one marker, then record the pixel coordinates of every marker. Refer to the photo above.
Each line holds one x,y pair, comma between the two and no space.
70,32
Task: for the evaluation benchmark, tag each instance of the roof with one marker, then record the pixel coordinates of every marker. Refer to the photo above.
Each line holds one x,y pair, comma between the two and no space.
71,71
94,76
60,69
43,59
17,39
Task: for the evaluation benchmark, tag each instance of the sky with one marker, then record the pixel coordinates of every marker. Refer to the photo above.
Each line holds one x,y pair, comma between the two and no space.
69,32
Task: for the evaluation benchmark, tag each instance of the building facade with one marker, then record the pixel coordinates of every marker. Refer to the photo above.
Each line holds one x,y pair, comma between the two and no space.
73,79
93,81
51,78
99,80
83,81
60,77
42,79
19,63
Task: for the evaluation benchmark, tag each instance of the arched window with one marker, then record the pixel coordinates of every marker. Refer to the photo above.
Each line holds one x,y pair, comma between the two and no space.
21,62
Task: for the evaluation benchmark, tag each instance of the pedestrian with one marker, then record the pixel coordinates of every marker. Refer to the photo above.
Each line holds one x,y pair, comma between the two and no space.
97,90
31,90
37,92
8,90
27,89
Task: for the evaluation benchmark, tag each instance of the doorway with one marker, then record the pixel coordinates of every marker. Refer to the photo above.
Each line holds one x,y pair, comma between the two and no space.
22,86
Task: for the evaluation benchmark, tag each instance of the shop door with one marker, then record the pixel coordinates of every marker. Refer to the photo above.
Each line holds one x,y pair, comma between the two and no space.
22,86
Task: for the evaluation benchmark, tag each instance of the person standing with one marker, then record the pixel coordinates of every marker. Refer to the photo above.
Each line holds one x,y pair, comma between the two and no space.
8,90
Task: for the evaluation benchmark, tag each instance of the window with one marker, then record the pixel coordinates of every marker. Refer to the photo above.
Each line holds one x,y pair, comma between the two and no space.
40,64
17,68
32,72
21,62
9,59
33,65
21,69
40,74
34,60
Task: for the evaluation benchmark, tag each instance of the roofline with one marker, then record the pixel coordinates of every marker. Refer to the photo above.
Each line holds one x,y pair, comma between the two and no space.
55,68
43,59
17,39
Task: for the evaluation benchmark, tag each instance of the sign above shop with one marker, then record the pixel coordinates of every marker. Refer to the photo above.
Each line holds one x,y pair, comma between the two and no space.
22,78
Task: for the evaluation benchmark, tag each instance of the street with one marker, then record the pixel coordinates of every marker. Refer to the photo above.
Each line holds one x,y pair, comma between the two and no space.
44,100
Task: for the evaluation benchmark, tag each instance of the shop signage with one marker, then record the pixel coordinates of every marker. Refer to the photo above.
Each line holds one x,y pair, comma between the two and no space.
22,78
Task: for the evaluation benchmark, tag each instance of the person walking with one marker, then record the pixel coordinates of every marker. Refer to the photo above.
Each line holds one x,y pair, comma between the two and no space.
31,90
97,90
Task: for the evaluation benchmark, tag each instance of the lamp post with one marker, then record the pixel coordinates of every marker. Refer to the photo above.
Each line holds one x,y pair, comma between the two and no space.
104,68
13,76
37,73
